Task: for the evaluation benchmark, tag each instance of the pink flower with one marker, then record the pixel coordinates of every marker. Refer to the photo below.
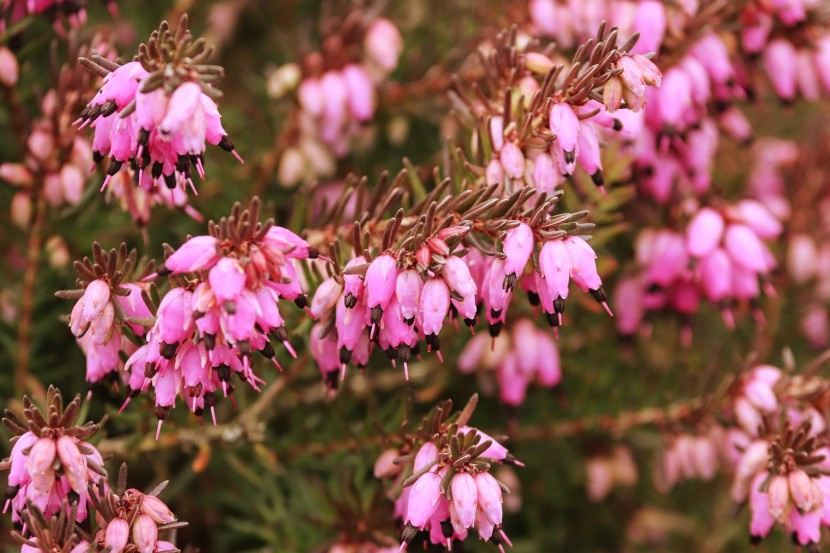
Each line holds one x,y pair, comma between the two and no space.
383,44
423,499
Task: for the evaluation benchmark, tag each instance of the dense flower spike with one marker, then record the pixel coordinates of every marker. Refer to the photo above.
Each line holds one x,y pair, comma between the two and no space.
223,306
156,113
51,462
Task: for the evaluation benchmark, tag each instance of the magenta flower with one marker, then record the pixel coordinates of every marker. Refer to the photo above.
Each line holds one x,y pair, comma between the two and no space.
151,116
206,331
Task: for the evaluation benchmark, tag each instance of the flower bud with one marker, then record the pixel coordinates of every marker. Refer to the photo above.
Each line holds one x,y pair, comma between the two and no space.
21,210
283,79
384,466
292,166
383,44
489,497
9,68
801,490
325,298
16,174
779,497
145,534
538,63
464,498
423,499
117,534
427,454
156,509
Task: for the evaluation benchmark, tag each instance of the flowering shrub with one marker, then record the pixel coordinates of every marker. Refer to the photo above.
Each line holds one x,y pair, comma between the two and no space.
605,222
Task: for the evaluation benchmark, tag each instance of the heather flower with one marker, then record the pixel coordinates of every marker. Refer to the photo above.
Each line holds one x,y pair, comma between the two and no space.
105,305
790,487
451,489
50,459
206,328
151,116
129,520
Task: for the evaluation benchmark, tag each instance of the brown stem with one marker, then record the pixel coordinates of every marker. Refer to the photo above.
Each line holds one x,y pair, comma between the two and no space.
33,250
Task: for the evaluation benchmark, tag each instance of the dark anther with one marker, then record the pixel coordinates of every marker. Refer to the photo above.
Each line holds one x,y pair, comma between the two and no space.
433,341
223,372
162,411
226,144
332,379
301,301
170,181
559,305
533,298
168,351
404,353
345,355
350,301
157,169
495,328
268,350
209,340
598,178
11,491
114,166
377,313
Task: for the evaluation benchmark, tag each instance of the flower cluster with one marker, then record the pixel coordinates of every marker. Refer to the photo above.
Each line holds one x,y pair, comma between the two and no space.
720,257
156,113
406,293
548,118
51,462
222,307
105,305
520,355
688,457
337,93
129,520
793,488
449,489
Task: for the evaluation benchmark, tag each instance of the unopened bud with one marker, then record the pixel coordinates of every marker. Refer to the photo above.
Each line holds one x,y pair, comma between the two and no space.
21,210
292,167
283,79
538,63
16,174
57,252
9,70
